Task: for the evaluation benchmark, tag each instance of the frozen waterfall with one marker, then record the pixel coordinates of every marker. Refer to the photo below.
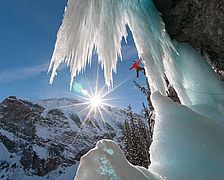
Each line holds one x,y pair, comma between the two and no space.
189,139
100,25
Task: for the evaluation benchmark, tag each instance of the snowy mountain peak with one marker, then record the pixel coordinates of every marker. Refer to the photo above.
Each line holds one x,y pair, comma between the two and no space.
45,139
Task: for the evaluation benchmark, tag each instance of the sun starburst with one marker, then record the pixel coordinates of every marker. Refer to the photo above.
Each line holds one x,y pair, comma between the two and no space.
94,101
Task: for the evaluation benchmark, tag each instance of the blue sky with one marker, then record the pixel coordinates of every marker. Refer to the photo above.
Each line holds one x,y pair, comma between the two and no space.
27,36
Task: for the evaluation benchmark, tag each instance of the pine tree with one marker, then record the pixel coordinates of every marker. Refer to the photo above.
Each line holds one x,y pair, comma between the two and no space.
146,91
127,141
149,116
144,142
149,112
136,140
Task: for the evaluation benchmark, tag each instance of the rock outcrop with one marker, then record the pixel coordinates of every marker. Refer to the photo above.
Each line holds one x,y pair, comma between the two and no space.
199,22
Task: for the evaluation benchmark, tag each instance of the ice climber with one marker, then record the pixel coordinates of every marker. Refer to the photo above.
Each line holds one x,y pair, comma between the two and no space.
136,65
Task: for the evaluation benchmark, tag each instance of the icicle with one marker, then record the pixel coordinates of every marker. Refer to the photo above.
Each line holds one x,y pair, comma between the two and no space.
102,24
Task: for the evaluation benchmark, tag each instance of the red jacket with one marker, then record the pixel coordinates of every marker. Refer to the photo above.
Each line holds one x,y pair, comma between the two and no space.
136,65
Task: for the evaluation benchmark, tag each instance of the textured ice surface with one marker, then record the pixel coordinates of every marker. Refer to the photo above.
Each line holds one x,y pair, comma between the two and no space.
100,25
186,145
98,164
194,80
188,141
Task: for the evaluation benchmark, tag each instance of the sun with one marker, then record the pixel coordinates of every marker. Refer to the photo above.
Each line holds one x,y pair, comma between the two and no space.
96,101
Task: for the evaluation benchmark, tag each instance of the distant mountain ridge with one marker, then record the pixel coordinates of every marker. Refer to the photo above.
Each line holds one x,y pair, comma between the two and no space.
39,139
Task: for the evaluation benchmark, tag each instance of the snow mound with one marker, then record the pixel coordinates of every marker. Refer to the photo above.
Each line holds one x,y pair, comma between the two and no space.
106,161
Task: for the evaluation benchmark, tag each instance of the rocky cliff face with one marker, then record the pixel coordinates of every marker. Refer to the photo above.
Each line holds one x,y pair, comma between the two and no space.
40,139
199,22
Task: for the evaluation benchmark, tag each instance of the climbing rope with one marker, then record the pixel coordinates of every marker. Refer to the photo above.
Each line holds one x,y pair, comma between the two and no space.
199,92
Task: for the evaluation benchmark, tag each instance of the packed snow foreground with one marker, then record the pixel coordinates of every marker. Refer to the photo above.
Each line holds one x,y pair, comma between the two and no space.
188,139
